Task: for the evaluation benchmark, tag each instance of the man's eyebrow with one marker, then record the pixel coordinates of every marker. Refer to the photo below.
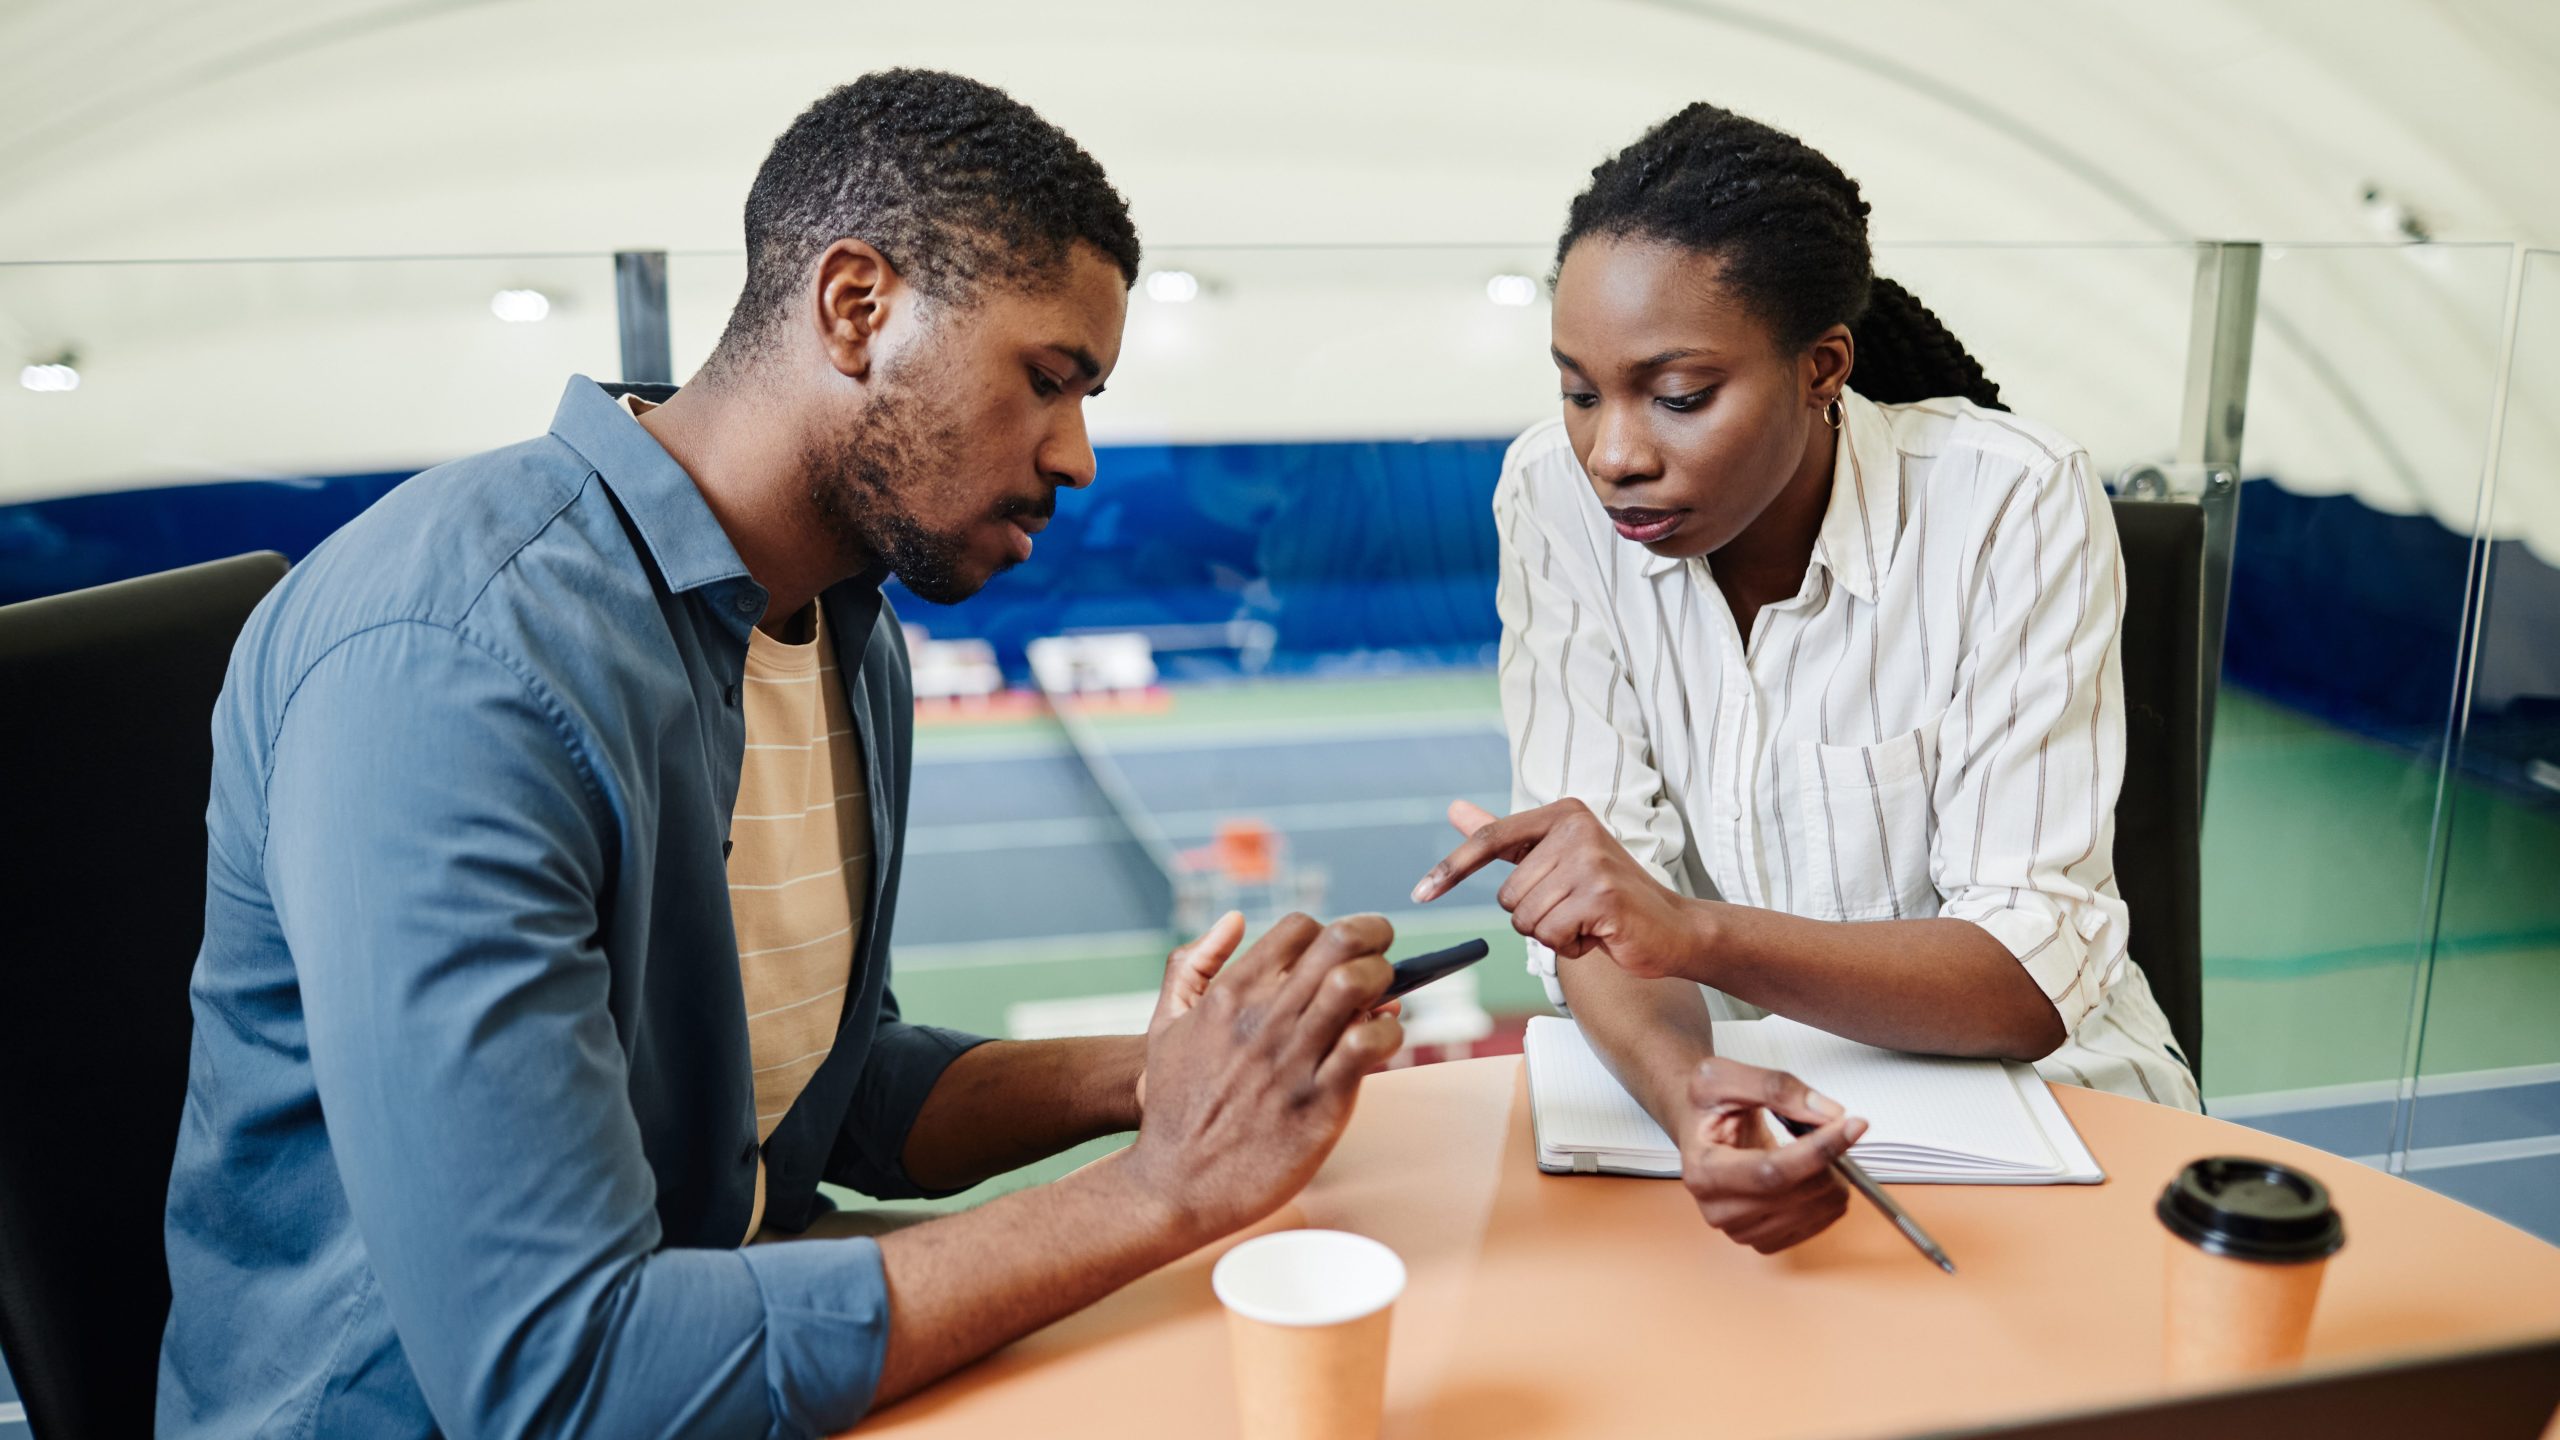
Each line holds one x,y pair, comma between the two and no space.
1563,359
1086,366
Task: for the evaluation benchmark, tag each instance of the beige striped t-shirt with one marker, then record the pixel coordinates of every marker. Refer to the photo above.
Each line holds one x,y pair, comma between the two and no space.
799,860
799,864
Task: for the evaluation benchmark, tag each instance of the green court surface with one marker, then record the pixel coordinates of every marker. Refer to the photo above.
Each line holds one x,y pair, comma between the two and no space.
2315,912
2315,860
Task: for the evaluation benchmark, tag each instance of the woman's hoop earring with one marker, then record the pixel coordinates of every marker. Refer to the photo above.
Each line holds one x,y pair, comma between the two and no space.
1833,414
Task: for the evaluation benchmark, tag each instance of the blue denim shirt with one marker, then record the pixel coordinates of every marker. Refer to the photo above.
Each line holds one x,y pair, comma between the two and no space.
470,1136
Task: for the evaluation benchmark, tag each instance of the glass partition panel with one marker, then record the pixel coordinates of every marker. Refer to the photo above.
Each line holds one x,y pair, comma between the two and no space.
166,413
1254,663
2089,339
2369,398
2486,1122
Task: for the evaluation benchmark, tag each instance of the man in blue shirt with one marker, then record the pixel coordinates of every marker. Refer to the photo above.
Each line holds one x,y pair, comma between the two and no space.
470,1141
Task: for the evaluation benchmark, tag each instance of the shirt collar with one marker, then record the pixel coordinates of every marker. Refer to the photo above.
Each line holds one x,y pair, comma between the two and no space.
684,538
1863,518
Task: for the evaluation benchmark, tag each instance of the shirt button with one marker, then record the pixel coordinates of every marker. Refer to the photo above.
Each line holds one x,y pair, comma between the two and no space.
731,695
746,604
748,1155
726,846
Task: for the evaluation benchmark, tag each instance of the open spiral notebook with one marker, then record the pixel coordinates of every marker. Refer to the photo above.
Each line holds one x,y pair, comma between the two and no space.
1931,1119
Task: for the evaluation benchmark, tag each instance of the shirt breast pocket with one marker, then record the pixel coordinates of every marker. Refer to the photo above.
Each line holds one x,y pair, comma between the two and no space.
1869,823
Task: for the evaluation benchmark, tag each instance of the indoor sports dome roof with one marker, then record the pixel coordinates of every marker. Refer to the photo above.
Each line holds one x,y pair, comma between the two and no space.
1342,178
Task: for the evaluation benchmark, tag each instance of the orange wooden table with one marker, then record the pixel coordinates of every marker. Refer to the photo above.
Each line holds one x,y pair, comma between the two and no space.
1596,1305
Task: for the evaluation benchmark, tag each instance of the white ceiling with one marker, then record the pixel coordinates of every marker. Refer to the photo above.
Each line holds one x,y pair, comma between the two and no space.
285,127
245,128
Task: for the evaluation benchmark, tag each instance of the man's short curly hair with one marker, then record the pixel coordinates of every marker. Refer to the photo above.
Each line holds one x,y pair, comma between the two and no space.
959,184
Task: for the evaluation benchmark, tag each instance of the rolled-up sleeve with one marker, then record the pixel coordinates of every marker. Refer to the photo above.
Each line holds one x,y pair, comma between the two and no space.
2032,746
905,1063
437,842
1568,700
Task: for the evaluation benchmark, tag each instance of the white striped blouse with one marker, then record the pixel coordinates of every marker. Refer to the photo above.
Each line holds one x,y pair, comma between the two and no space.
1932,726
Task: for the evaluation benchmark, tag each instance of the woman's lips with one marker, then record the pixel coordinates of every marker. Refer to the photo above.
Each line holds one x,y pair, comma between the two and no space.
1646,526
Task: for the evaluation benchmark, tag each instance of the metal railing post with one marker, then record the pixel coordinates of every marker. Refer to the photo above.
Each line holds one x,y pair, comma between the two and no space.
2221,326
640,305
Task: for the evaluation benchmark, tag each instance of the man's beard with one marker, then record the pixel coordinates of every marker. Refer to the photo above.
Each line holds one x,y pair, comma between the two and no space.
857,476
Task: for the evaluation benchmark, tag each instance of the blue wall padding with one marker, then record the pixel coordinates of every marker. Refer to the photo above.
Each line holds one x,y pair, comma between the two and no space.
1383,552
49,546
2349,613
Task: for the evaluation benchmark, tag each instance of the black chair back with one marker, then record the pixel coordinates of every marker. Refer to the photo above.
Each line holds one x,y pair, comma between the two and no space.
108,737
2160,815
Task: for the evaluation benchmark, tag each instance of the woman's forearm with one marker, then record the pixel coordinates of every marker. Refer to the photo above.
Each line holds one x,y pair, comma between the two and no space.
1650,1033
1937,986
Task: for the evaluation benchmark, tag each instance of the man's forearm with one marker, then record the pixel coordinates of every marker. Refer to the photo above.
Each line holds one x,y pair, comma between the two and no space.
1939,986
964,1284
1650,1033
1007,1103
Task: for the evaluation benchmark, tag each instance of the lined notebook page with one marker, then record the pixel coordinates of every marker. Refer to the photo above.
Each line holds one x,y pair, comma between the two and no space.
1930,1118
1581,1107
1964,1109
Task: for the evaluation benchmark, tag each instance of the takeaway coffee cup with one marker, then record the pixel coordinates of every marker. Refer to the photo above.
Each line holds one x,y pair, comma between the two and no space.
2248,1242
1307,1316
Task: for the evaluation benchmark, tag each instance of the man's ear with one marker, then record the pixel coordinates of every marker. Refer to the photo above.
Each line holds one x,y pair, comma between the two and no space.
857,288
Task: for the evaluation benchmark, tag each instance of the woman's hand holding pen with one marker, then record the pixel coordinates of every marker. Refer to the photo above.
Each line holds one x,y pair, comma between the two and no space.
1575,889
1761,1194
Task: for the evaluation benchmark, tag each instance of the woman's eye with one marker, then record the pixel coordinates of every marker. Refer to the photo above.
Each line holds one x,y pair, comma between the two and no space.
1581,399
1684,403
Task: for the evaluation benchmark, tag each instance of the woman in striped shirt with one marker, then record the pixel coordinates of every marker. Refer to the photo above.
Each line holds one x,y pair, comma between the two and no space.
1810,665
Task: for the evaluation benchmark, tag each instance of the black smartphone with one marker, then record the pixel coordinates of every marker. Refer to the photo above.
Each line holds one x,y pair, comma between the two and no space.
1421,970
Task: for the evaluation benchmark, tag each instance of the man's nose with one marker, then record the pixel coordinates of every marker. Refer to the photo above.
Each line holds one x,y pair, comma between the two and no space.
1067,458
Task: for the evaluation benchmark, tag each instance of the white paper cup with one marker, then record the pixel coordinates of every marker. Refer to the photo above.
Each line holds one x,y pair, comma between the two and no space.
1307,1314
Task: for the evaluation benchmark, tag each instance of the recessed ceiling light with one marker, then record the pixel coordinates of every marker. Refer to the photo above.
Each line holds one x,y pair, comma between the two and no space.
57,378
1172,287
519,307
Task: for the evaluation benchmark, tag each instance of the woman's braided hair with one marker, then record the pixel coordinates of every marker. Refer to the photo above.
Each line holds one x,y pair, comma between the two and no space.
1790,232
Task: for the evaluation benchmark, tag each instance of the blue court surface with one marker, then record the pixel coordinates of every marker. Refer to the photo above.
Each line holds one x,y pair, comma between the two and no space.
1017,842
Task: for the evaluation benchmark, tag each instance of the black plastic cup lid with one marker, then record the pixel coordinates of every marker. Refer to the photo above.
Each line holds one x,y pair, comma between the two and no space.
2252,1210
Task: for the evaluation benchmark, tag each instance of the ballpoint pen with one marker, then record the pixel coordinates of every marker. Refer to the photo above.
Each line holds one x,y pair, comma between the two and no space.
1851,1171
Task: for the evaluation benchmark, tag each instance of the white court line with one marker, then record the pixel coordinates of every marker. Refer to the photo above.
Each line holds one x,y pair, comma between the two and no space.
995,836
2375,1092
1314,730
1030,950
2288,1102
2486,1152
2454,1157
1112,944
2464,1081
